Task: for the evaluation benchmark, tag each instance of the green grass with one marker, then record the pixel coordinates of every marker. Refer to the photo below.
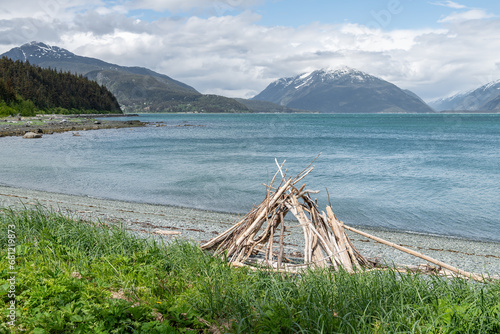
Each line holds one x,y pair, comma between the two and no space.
178,288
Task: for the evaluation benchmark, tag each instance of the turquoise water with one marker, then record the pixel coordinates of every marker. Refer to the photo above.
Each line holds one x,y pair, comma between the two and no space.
436,174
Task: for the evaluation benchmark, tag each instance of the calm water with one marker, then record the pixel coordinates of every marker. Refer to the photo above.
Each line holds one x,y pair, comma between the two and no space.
437,174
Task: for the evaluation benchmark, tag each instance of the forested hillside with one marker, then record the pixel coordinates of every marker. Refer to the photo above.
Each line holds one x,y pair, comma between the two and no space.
137,89
51,91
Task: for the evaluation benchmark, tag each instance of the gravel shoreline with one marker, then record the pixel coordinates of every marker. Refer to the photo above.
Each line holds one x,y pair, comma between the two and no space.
49,124
169,222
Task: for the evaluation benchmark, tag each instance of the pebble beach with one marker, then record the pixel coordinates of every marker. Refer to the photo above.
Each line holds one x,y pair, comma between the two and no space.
172,222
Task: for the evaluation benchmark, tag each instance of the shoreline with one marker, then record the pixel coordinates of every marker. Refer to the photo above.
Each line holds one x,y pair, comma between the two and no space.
170,222
49,124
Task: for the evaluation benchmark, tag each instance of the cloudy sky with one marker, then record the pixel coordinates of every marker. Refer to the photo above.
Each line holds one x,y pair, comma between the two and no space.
237,47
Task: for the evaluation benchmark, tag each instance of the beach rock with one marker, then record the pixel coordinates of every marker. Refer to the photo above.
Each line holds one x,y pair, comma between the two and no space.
29,135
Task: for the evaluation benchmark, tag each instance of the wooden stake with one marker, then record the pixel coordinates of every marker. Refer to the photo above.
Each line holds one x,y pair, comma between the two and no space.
280,256
346,261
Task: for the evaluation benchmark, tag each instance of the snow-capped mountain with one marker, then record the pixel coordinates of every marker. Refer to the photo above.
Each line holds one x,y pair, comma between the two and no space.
42,51
484,98
341,90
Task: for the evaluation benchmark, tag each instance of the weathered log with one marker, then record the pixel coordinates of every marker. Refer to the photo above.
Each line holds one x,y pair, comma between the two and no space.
417,254
339,235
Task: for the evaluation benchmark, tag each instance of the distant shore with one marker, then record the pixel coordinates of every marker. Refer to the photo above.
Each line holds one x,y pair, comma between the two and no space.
98,115
49,124
168,222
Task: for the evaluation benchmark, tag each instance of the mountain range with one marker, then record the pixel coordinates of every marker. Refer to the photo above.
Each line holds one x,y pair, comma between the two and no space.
342,90
485,98
137,89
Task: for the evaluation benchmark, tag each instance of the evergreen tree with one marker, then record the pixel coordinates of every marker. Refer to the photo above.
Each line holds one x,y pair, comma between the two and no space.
48,89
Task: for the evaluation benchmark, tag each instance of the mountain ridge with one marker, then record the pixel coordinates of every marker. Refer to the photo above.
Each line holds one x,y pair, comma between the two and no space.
344,89
484,98
137,89
341,90
45,55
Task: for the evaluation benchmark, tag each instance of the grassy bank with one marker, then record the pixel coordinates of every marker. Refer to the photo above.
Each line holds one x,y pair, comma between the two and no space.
75,277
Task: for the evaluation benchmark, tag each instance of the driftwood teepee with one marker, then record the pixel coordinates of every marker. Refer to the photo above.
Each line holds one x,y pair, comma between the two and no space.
260,235
262,230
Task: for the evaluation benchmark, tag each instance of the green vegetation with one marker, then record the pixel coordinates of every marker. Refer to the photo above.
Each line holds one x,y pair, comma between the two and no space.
19,106
208,104
26,89
155,93
76,277
143,93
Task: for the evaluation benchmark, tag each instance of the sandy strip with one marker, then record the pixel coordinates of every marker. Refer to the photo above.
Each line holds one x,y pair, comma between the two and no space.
168,222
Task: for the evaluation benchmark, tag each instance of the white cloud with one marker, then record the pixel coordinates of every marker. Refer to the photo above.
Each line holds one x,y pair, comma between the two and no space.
171,5
215,6
473,14
47,9
449,4
233,55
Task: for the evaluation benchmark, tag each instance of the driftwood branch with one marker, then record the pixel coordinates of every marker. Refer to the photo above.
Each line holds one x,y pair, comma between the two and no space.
461,272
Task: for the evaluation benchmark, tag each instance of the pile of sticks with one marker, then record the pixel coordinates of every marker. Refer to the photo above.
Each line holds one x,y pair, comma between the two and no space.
259,237
262,231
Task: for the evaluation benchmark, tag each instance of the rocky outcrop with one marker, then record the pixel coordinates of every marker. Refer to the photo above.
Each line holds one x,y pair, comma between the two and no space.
31,134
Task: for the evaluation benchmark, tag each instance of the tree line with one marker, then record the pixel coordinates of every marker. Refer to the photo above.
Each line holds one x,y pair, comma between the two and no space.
25,88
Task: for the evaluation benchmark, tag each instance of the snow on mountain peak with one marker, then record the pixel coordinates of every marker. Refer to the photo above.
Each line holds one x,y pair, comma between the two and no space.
344,70
39,50
491,84
305,82
345,73
325,75
341,90
304,75
462,94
